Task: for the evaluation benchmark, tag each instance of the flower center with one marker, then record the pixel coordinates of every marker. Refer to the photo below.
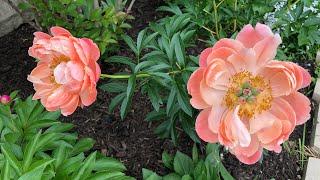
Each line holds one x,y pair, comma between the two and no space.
54,63
251,93
57,60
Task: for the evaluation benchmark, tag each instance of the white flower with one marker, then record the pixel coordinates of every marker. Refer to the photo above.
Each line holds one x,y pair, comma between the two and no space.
279,5
270,18
315,3
312,9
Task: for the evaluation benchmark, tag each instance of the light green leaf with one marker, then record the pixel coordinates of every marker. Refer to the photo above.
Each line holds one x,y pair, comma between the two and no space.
182,164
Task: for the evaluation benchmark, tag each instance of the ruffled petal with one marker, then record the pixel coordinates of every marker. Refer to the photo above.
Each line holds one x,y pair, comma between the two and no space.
217,75
282,79
301,105
203,57
59,31
193,87
249,36
202,127
210,95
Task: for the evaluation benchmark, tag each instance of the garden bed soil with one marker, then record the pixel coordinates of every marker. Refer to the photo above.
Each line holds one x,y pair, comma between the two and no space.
132,140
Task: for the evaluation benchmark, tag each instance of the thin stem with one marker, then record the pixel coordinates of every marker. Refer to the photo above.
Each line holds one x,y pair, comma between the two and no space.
235,20
127,76
130,6
216,17
122,76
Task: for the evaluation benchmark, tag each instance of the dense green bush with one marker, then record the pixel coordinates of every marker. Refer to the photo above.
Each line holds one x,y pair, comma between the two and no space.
101,23
195,168
161,69
35,145
296,21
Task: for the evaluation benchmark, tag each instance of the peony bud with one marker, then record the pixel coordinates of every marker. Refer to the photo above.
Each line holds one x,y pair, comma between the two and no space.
5,99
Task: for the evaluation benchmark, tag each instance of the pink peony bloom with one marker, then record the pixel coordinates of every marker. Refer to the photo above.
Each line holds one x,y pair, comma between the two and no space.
249,101
5,99
67,72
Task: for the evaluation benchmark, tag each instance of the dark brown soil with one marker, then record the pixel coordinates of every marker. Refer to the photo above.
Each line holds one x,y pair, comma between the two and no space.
131,140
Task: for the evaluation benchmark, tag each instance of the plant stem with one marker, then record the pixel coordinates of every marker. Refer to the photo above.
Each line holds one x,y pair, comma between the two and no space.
130,6
127,76
235,20
216,18
123,76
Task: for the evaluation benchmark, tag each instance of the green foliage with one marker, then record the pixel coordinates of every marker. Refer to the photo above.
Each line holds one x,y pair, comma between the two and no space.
186,168
35,145
298,23
161,69
103,24
220,18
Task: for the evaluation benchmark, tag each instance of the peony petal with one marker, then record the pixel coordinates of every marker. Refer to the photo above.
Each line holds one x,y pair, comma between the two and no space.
282,79
57,98
260,121
250,36
40,35
203,57
59,73
98,71
202,127
301,105
250,150
267,135
240,129
266,49
70,106
245,60
88,93
76,70
250,159
193,87
59,31
228,43
42,70
210,95
215,117
217,75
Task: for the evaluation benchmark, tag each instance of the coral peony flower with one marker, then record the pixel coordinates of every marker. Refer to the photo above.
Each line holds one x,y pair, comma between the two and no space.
5,99
67,72
249,101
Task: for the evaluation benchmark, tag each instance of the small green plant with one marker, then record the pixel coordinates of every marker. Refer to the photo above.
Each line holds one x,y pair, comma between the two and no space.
197,168
220,18
161,69
35,145
84,18
298,24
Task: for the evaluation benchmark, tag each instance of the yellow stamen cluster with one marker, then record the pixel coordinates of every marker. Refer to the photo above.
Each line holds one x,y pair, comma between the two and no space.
57,60
258,100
